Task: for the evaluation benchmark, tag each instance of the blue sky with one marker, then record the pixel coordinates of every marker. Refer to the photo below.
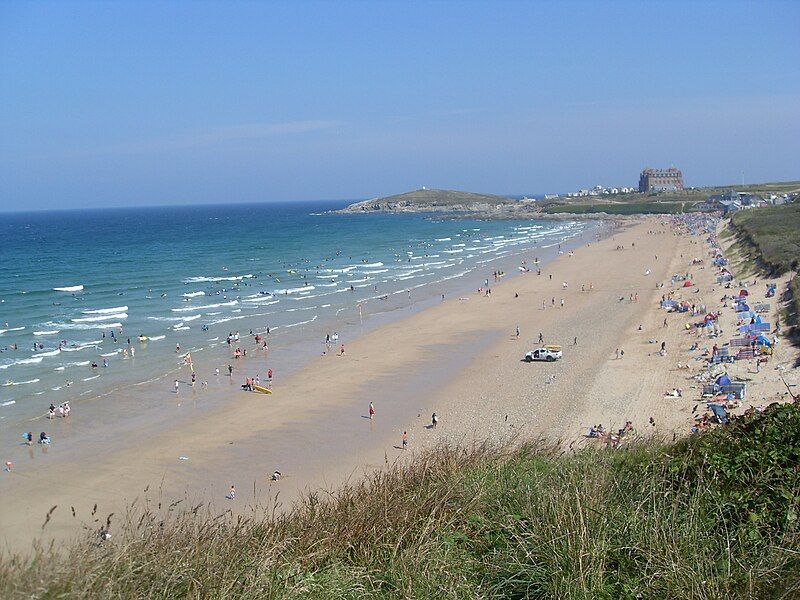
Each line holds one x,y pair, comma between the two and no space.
140,103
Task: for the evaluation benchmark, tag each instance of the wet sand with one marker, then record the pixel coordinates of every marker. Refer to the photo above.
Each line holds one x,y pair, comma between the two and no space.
459,358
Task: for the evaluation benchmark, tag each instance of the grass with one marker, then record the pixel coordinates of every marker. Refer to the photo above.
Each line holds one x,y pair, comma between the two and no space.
714,516
774,235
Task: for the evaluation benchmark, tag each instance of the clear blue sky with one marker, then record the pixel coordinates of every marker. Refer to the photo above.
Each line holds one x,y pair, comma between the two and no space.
134,103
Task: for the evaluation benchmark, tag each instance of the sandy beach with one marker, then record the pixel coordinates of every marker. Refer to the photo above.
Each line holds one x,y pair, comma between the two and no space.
461,359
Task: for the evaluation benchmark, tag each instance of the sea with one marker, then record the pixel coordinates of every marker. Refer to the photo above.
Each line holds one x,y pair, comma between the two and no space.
95,303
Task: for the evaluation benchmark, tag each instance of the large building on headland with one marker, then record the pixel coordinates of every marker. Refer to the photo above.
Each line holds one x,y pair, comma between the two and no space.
661,180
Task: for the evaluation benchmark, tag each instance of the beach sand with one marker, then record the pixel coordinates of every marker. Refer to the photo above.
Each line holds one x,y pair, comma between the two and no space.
460,359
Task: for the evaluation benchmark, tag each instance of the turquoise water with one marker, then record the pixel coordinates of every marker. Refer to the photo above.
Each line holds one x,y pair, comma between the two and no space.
195,275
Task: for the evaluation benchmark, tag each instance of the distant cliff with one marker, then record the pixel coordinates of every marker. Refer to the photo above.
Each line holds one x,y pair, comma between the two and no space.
450,201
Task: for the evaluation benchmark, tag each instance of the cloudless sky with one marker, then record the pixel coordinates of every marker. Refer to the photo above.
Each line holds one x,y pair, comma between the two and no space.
139,103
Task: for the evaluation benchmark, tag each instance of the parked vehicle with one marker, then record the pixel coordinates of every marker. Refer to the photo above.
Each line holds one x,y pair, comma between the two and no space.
548,353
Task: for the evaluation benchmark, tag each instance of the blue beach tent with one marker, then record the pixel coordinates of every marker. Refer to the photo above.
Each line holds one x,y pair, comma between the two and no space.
723,380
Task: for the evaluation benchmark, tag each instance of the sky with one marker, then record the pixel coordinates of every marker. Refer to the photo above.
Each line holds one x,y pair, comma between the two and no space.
106,104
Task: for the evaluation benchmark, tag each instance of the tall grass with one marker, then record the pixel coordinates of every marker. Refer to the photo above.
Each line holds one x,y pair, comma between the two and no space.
648,521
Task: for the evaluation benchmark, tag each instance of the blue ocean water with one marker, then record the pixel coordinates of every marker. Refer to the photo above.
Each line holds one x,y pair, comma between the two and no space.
80,287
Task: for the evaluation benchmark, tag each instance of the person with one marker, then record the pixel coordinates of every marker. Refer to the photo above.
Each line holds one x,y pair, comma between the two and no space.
52,413
269,377
434,420
371,411
230,371
104,534
177,348
405,440
176,386
29,438
517,331
232,494
341,350
44,438
562,303
575,341
276,476
541,338
194,377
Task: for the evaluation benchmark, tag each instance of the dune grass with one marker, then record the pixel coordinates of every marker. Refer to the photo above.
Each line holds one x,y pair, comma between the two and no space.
714,516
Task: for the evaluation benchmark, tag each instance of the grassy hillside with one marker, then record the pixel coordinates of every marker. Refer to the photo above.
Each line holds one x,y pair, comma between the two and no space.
661,202
772,236
714,516
443,197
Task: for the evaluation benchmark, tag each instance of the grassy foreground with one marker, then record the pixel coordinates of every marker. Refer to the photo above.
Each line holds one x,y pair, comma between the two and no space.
714,516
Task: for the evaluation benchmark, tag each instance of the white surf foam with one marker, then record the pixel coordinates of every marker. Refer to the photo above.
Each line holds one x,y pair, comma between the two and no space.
106,311
108,317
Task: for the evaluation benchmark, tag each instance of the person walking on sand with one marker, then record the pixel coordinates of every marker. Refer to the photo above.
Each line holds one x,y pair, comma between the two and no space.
341,350
517,331
176,386
232,494
371,411
562,303
405,440
541,338
434,420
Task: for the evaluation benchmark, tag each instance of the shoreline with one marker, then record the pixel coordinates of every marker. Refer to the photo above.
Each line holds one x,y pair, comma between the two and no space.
121,433
156,362
459,358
